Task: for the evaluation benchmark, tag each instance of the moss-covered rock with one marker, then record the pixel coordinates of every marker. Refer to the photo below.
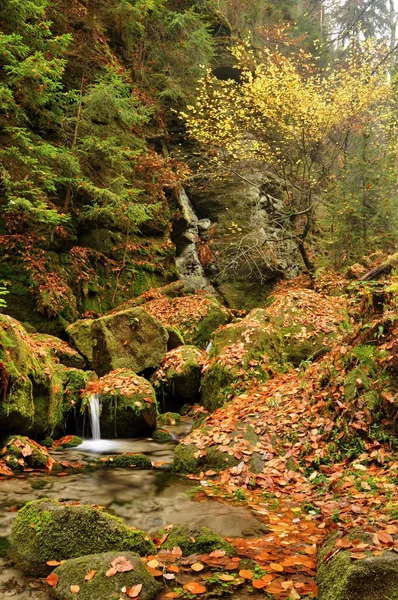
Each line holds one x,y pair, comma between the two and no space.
49,530
219,456
195,317
60,350
128,405
193,539
175,338
80,336
162,436
342,578
36,390
178,378
130,339
126,461
169,418
101,587
19,453
68,441
4,547
307,322
240,352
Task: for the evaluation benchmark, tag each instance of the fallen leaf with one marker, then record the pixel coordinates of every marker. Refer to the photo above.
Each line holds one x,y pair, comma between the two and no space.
75,589
246,574
197,567
90,575
195,588
52,580
134,591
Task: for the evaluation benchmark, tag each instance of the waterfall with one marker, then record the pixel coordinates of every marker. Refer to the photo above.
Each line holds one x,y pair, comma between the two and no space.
94,417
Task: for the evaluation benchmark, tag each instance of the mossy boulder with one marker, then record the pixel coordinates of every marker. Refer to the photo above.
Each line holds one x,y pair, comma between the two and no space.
162,436
343,578
49,530
195,317
80,335
68,441
127,461
243,350
19,453
36,390
128,406
130,339
60,350
169,418
308,322
101,587
194,539
220,454
178,378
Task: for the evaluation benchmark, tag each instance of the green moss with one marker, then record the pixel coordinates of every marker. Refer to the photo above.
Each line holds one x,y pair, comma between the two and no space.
176,338
101,587
137,461
49,530
4,547
206,327
130,339
162,435
195,540
80,336
186,462
169,418
73,443
13,453
341,578
47,442
38,484
128,410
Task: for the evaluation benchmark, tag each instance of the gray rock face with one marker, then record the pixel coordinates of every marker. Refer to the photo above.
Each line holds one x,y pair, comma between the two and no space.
248,242
189,266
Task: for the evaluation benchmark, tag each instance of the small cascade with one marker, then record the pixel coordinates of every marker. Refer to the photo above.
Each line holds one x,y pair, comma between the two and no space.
94,417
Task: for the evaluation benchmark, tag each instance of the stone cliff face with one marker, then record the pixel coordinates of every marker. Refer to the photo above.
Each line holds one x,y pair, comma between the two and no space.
244,250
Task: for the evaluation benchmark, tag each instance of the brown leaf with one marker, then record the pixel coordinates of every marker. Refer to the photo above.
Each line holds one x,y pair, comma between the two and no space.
75,589
90,575
195,588
197,567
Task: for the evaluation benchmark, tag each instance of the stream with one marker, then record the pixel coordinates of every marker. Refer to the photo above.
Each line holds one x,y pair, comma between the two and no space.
144,499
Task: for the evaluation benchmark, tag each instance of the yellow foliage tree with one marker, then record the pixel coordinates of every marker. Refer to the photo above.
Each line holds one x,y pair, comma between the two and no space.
291,119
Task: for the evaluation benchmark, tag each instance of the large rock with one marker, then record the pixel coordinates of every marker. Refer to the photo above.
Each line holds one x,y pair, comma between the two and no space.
297,326
194,317
240,351
19,453
194,540
36,390
178,378
221,454
343,578
49,530
128,405
101,587
80,336
130,339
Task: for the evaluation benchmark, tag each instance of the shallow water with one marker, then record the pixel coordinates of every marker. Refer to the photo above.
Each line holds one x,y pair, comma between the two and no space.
144,499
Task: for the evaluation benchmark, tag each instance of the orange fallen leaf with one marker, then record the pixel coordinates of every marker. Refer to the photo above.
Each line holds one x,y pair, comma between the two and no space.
90,575
75,589
53,563
52,580
217,553
276,567
197,567
226,577
246,574
259,584
194,587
